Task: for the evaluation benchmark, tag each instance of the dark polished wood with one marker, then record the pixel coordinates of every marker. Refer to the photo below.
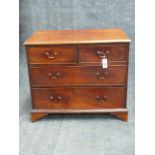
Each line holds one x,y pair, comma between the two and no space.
66,76
65,37
94,53
118,113
50,55
73,75
121,115
78,98
36,116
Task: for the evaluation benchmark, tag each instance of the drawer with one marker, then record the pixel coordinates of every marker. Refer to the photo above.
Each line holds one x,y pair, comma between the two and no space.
79,98
72,75
94,54
50,55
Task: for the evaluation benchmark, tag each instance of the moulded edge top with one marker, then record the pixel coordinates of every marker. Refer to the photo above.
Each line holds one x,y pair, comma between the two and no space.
87,36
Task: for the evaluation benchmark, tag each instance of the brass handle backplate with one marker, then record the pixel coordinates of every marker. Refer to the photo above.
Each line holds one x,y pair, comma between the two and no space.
101,99
54,75
102,75
55,99
51,54
102,54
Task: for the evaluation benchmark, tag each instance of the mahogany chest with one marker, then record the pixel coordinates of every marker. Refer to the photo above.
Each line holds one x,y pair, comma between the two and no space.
78,71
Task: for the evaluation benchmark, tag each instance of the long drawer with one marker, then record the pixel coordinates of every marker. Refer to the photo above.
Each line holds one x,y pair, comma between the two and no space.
51,55
78,75
78,98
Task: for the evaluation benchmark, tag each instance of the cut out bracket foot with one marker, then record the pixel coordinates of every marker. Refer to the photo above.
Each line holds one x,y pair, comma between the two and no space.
37,116
121,115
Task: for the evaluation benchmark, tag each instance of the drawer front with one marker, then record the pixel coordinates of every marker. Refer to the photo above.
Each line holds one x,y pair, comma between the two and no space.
95,53
78,75
79,98
50,55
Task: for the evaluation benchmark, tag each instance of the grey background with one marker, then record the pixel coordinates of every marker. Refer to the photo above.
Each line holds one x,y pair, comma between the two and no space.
69,134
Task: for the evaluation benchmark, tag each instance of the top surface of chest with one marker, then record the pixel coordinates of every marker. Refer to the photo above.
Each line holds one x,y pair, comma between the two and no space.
91,36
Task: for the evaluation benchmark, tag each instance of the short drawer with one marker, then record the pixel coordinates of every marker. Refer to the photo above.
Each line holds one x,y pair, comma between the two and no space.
112,52
71,75
79,98
50,55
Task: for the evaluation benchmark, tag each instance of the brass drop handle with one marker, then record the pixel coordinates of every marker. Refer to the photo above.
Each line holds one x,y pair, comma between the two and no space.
102,75
51,55
55,99
101,99
102,54
54,75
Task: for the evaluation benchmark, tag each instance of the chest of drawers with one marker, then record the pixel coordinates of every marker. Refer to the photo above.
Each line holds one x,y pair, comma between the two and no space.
66,73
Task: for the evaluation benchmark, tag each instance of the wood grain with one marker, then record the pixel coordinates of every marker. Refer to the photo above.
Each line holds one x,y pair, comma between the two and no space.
56,55
86,111
78,98
66,75
72,75
95,53
55,37
36,116
121,115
